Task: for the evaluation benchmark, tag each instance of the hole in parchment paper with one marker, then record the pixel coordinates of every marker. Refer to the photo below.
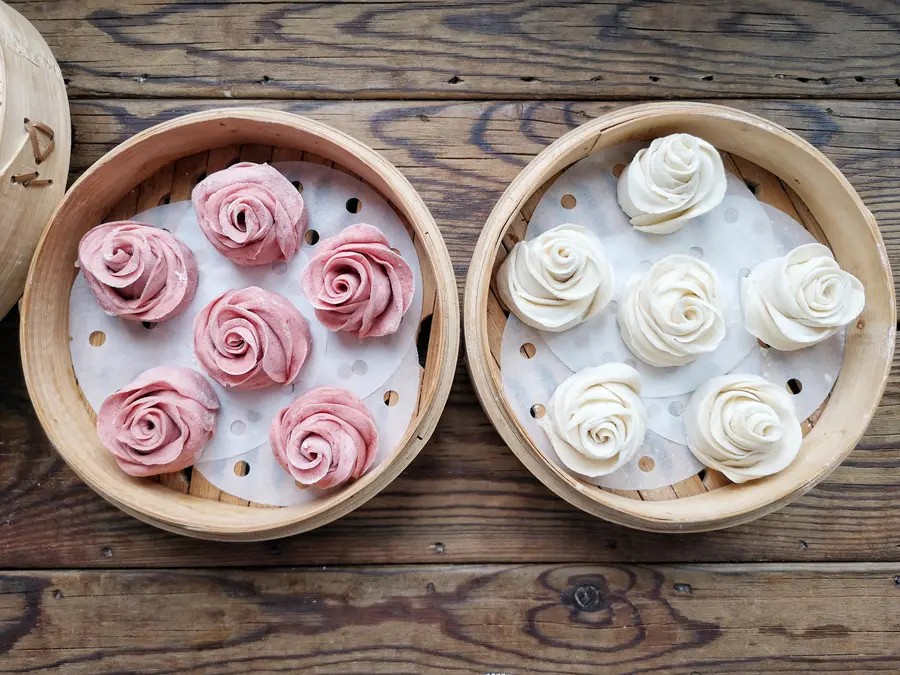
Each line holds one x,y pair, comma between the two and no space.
762,344
396,250
311,237
97,338
613,306
527,350
279,267
149,325
238,427
241,468
607,357
618,169
645,265
297,185
300,485
354,205
646,464
731,215
359,367
676,408
794,386
537,411
744,272
696,251
568,201
391,398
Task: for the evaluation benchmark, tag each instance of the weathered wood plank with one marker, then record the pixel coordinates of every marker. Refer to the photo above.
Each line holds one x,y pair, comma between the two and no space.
483,49
478,148
466,498
474,620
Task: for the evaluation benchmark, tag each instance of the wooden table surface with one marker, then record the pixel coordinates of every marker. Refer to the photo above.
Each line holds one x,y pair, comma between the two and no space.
465,564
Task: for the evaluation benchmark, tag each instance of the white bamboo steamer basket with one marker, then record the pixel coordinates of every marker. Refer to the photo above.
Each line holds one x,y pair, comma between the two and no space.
163,164
35,140
788,170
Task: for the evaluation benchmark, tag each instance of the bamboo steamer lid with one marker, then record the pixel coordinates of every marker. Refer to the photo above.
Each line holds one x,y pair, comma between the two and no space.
35,144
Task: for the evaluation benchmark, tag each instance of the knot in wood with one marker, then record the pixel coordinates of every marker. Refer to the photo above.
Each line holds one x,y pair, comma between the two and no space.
587,598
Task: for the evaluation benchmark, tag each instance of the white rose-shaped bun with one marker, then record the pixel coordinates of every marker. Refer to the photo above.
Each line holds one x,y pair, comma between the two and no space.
677,178
595,420
558,279
800,299
673,313
743,426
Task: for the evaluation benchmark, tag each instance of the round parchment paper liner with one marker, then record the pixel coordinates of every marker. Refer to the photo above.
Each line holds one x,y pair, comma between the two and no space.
732,238
530,382
129,348
745,233
265,482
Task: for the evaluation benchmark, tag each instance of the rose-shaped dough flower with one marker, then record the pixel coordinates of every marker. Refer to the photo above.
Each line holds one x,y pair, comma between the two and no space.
251,213
558,279
800,299
357,284
325,437
743,426
595,420
137,271
160,422
677,178
673,313
251,338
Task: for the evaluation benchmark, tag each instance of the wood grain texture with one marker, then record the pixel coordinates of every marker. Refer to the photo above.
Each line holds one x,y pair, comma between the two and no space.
35,143
466,498
523,49
432,620
460,156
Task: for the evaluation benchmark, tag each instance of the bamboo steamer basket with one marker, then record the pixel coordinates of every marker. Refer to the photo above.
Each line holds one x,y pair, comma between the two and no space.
35,140
788,173
163,164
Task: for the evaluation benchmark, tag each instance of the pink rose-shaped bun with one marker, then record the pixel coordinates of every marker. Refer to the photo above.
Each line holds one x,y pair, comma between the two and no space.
251,338
356,283
159,422
137,271
251,213
325,437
